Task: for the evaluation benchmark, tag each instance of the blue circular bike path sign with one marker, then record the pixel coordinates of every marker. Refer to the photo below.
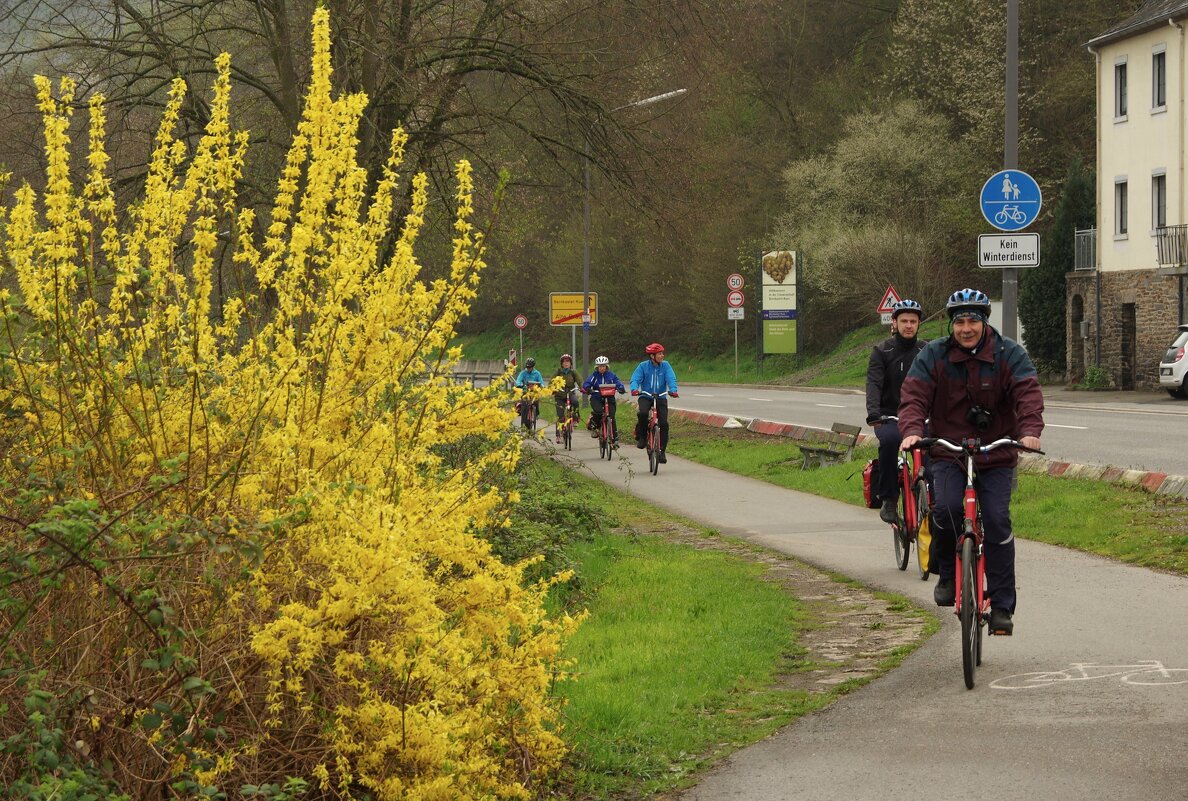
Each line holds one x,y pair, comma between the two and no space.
1011,200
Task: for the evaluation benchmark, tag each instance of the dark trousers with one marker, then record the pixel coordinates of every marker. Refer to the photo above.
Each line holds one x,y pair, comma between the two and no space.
889,439
994,498
641,426
597,404
574,412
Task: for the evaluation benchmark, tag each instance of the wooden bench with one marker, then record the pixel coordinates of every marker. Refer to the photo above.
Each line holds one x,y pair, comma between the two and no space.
837,445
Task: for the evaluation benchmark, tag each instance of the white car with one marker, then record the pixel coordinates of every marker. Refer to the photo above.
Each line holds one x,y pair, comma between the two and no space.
1173,367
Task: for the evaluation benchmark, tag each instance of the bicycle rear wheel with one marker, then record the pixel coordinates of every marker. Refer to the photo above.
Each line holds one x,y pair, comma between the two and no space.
603,443
567,436
923,529
902,544
970,630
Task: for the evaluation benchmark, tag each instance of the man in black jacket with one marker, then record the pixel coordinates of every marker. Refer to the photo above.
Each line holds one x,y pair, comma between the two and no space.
890,361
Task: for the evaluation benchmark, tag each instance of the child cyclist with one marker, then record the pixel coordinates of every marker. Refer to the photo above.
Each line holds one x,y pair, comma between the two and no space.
602,376
569,380
524,382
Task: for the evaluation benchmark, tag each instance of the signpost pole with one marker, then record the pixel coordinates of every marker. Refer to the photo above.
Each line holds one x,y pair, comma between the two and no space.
521,344
1010,158
736,348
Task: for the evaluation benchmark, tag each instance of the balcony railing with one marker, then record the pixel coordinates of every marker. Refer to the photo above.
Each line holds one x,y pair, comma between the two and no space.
1171,245
1085,250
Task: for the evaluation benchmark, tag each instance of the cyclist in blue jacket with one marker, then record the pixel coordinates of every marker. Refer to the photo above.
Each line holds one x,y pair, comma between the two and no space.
602,376
652,377
524,381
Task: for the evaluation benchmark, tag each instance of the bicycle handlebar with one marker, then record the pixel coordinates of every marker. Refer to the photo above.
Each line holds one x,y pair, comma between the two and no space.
971,446
654,394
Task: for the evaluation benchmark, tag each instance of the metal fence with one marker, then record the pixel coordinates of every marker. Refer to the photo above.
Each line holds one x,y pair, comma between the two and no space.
1171,243
1085,250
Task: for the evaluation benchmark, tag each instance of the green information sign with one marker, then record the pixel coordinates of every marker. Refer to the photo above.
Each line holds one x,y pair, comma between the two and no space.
779,336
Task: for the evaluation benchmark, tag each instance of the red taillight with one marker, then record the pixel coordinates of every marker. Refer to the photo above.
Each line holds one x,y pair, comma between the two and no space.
1179,355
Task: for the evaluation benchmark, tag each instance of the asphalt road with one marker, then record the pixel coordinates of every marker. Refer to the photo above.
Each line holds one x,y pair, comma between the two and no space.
1145,431
917,734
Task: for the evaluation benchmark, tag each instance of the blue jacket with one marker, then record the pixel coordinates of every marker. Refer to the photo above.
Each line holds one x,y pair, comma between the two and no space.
653,378
597,379
527,376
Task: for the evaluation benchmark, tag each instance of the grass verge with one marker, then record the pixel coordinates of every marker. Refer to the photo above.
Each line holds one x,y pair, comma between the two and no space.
695,645
1112,520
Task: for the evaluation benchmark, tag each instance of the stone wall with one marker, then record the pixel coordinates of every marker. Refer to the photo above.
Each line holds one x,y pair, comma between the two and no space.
1155,299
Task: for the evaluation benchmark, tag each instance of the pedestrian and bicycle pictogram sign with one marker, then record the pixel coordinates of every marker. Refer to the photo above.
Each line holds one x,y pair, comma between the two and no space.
1011,200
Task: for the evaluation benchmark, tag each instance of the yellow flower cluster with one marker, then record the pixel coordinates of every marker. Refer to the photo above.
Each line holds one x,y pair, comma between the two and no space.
300,364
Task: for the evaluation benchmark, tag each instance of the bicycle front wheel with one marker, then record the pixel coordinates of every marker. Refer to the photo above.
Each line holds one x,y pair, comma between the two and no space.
653,451
567,436
901,544
923,529
970,631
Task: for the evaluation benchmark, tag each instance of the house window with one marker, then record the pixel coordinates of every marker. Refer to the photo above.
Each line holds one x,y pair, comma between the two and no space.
1120,210
1158,200
1120,90
1159,80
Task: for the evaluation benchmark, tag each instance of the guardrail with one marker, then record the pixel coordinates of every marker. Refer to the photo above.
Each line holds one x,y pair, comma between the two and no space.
480,372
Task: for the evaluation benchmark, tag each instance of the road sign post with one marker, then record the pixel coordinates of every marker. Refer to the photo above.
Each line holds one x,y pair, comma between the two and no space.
521,322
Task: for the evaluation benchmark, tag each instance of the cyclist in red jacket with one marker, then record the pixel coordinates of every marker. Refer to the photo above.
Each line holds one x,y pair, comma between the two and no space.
975,383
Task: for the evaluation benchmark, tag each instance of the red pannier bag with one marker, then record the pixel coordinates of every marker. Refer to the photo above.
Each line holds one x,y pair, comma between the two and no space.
870,481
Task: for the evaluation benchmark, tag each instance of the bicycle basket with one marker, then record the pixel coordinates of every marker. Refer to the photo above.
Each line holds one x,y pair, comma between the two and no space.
606,390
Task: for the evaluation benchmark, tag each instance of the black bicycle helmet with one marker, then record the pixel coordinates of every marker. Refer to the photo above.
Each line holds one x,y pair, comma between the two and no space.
968,300
529,363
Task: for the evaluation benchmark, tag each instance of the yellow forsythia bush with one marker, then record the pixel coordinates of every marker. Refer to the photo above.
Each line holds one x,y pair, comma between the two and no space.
240,490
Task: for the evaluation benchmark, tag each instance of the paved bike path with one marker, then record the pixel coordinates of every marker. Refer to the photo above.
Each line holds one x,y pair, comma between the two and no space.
917,734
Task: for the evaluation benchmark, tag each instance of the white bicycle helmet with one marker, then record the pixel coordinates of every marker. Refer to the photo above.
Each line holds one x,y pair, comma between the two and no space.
601,360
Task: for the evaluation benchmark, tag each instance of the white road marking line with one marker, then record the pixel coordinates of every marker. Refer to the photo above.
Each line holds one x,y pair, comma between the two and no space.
761,400
833,405
699,395
1078,428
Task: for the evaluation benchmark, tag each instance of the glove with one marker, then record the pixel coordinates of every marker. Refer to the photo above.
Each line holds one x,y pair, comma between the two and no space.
635,392
674,394
622,392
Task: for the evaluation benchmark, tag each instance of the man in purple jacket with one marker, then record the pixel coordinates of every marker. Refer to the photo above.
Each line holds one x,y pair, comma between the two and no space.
975,383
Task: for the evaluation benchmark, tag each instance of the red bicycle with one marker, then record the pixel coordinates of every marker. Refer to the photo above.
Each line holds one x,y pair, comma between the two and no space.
915,504
654,439
607,431
973,604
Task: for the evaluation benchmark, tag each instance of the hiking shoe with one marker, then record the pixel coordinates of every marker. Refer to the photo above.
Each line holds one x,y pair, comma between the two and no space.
661,458
1001,623
593,433
557,439
889,514
945,593
641,443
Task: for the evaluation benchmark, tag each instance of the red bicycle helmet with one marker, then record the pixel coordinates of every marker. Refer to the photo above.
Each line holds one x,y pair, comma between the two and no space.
654,348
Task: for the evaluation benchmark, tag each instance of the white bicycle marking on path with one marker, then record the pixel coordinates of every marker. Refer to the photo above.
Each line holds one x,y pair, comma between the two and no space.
1147,673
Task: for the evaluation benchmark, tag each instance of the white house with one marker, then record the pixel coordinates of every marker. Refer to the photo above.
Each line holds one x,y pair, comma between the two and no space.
1124,302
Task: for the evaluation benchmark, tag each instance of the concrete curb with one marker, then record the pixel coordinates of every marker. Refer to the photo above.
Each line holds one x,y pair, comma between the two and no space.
1158,483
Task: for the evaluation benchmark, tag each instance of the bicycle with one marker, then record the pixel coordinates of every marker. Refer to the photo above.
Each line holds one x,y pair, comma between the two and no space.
653,432
565,423
1146,673
972,605
607,433
1012,213
915,505
529,408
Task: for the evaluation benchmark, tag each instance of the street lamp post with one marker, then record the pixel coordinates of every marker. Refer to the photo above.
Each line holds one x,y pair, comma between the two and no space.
647,101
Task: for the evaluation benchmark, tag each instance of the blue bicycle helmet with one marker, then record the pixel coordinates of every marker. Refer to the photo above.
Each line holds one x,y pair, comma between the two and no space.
906,306
968,300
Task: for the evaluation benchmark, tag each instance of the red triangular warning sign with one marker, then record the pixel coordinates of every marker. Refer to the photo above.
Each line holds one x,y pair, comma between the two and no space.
890,298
